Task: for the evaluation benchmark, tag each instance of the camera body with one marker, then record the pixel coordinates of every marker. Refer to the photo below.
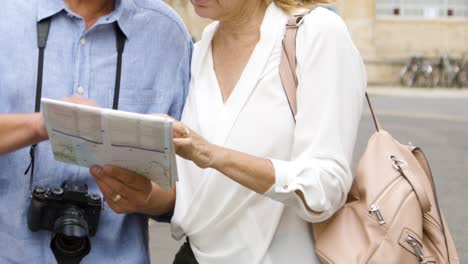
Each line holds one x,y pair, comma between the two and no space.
51,208
71,214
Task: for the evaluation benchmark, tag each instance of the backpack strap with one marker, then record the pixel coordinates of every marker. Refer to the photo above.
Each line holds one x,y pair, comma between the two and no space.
288,65
288,62
421,193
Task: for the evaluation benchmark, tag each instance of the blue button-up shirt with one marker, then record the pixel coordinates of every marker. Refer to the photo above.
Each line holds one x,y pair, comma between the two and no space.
155,76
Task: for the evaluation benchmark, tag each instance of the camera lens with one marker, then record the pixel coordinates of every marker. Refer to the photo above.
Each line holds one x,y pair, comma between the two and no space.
71,246
70,243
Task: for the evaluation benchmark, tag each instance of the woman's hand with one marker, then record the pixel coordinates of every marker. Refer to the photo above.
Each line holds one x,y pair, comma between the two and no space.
128,192
189,145
254,173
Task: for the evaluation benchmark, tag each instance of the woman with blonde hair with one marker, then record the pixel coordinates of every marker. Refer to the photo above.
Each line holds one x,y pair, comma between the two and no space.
252,177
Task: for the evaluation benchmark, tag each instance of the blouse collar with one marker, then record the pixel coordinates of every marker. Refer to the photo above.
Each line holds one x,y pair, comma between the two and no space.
274,22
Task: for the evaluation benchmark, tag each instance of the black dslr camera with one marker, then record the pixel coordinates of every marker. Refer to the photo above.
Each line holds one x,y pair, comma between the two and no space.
71,214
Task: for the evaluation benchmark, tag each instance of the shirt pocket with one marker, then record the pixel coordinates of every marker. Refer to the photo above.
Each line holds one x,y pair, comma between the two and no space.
141,101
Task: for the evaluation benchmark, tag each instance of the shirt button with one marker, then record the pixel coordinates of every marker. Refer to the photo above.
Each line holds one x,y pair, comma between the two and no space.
80,90
83,41
285,186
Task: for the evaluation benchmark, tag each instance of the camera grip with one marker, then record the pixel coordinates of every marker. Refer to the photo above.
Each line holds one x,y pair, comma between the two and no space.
35,215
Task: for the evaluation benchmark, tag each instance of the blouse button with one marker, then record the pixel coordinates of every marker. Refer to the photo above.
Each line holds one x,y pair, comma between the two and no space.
285,186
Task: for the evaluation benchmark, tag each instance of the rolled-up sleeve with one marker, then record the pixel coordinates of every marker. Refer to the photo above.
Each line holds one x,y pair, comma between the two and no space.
330,95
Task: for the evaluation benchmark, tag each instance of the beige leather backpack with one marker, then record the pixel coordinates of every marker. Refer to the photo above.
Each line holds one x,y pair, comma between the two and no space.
392,214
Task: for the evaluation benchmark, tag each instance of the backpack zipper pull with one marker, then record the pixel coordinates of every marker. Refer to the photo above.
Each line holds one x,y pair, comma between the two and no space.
376,210
416,246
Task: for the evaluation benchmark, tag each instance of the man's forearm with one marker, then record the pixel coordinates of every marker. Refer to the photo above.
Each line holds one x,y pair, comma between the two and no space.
20,130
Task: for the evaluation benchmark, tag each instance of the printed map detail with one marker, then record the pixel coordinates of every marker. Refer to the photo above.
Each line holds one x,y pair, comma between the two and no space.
86,136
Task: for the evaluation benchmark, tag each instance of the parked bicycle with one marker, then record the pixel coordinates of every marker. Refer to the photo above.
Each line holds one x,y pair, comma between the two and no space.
462,76
417,72
446,72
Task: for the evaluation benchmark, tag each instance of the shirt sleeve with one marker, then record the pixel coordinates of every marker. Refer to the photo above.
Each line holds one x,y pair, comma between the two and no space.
330,95
176,108
183,80
164,218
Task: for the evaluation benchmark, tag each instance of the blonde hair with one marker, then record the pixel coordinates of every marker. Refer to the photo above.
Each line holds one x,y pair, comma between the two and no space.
290,5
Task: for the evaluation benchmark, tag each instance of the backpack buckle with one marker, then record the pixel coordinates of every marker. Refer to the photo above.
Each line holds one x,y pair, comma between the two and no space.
397,163
299,20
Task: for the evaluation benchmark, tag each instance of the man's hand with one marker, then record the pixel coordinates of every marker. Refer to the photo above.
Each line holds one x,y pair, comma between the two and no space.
20,130
37,122
128,192
76,99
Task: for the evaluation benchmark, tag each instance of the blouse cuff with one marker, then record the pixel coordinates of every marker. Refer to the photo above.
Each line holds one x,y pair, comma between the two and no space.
286,184
285,176
285,187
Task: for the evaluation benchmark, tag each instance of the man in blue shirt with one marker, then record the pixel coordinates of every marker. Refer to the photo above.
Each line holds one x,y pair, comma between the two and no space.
80,59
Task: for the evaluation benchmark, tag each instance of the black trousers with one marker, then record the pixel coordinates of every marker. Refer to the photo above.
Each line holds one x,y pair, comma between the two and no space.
185,255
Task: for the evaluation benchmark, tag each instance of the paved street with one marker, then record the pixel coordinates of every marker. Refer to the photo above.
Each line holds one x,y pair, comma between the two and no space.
436,121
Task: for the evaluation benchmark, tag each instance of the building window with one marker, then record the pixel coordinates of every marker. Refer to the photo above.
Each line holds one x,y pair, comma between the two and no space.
422,8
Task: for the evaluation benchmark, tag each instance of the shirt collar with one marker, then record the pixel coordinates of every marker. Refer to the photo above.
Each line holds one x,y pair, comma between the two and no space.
122,13
49,8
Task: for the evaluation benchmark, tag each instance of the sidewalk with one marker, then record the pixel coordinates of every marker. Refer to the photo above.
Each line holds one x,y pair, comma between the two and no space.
400,91
162,246
427,104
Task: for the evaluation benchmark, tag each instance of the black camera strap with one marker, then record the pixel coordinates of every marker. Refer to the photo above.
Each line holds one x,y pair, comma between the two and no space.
43,28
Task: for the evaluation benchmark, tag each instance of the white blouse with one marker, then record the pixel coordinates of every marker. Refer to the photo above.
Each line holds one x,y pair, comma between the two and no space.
228,223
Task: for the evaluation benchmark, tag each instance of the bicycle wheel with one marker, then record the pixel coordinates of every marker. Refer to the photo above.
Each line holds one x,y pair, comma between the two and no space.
425,79
435,79
407,77
462,79
425,75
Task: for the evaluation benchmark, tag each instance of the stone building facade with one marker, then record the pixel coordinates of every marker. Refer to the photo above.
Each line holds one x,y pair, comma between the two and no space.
386,40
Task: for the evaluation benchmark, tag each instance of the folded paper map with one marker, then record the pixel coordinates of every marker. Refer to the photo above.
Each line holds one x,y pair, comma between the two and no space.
87,136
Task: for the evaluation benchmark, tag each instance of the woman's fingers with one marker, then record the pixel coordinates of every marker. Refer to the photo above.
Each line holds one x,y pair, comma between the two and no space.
182,147
180,130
